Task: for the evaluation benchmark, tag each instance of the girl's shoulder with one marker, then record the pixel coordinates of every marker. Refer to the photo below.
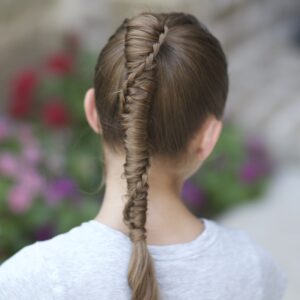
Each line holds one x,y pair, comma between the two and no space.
43,266
271,277
35,267
25,272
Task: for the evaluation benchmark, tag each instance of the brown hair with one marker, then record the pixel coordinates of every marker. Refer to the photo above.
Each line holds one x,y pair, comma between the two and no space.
157,79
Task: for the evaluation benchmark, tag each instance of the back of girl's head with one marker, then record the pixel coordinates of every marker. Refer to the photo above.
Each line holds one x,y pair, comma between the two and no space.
157,79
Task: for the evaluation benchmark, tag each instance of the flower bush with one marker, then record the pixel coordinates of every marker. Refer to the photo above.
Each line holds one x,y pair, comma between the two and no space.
49,178
50,161
38,197
237,171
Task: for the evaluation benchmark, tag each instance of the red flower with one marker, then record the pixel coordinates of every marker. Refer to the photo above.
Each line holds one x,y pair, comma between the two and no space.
56,114
60,64
22,91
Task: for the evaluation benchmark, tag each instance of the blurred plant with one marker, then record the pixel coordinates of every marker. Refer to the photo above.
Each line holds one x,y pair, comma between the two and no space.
237,171
47,151
50,97
52,93
32,196
49,158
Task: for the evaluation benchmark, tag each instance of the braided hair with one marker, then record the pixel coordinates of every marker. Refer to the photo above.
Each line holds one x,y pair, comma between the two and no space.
156,80
136,96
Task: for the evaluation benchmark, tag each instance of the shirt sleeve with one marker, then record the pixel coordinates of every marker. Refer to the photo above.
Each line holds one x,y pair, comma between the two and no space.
274,280
27,275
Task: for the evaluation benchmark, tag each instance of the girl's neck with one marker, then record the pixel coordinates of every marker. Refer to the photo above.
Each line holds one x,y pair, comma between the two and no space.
168,219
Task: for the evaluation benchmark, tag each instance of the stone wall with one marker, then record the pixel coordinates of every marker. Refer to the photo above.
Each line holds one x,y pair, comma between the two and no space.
26,34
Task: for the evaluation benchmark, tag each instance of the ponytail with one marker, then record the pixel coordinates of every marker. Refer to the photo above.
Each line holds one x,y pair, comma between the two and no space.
156,80
143,38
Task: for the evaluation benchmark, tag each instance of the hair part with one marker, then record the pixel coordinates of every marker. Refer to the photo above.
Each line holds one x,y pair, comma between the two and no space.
156,81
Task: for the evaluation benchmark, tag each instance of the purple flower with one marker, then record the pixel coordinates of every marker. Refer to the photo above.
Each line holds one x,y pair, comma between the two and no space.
192,194
253,170
31,179
32,153
255,147
258,164
44,232
19,199
61,189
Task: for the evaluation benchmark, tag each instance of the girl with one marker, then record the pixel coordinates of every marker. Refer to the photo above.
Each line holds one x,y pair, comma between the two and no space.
160,88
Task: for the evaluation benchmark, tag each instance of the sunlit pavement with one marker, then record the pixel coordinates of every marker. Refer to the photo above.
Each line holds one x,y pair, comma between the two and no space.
274,221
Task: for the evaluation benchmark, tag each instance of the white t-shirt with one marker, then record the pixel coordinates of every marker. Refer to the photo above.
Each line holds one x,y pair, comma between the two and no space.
90,262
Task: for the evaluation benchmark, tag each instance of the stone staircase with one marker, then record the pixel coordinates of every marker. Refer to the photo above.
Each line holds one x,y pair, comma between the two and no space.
265,89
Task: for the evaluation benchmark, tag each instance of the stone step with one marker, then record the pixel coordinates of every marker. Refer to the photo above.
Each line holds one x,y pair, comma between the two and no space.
265,89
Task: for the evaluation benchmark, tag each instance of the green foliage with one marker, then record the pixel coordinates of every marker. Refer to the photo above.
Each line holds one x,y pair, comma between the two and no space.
72,161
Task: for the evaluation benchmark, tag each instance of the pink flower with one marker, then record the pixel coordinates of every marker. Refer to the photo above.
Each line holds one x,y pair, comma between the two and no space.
32,180
9,165
60,64
32,154
25,134
19,199
22,91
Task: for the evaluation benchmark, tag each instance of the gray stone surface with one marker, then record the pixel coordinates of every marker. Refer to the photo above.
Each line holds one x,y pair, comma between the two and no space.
265,89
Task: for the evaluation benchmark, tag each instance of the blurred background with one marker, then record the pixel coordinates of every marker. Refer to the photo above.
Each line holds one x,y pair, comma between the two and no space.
51,163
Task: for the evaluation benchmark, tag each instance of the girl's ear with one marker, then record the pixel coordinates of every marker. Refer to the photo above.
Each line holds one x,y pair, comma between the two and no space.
208,138
91,112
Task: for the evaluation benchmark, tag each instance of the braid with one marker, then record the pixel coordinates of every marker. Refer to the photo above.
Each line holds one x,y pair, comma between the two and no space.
169,65
148,64
143,38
